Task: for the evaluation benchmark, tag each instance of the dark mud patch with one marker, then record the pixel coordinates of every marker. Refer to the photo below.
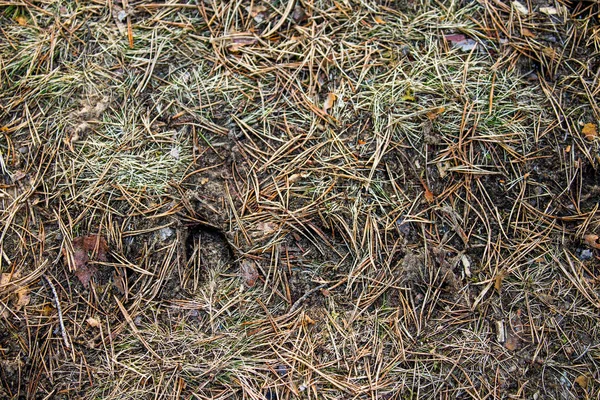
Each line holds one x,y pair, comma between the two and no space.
207,247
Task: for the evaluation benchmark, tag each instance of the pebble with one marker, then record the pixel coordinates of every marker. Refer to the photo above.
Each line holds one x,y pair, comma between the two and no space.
584,254
165,233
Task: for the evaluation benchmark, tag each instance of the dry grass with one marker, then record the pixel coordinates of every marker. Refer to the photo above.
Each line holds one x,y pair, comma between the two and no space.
308,199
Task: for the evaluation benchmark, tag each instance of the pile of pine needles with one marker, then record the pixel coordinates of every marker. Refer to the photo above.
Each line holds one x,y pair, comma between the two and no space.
299,199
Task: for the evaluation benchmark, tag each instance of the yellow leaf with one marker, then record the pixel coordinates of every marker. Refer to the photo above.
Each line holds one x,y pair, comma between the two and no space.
329,102
21,21
582,381
590,131
379,20
409,96
47,310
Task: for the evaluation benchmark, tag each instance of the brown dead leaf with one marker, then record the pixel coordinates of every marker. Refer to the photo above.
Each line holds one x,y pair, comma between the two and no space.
429,196
240,40
23,298
248,272
256,9
8,278
455,37
378,20
582,381
18,175
443,168
258,13
308,320
5,279
590,131
527,33
433,114
85,273
264,229
461,42
93,322
512,342
86,248
592,241
498,281
550,52
329,102
119,280
516,328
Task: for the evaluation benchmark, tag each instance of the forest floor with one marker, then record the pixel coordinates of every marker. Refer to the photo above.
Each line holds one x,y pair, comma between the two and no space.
308,199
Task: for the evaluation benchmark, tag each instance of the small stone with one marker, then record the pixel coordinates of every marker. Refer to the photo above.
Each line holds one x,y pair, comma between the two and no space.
299,15
403,227
585,254
122,15
175,152
281,370
165,233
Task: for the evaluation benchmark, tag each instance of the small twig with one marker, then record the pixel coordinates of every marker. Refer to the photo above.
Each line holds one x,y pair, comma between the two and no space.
302,299
287,12
63,331
135,330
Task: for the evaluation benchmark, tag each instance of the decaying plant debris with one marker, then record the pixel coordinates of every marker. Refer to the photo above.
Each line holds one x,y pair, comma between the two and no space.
299,199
